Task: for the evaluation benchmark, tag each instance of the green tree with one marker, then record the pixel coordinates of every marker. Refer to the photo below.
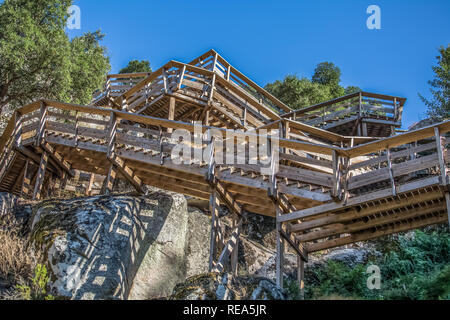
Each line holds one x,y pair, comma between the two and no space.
135,66
299,93
439,105
327,73
302,92
37,59
89,65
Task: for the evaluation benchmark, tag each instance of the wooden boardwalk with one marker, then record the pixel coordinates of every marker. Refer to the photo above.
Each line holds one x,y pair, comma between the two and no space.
334,185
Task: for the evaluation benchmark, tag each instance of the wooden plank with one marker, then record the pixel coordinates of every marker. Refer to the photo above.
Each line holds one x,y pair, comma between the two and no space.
279,258
342,217
377,195
441,158
214,208
171,116
235,254
363,225
26,180
40,176
110,180
128,173
229,248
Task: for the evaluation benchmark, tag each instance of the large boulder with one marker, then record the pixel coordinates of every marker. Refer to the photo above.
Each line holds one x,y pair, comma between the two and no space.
113,247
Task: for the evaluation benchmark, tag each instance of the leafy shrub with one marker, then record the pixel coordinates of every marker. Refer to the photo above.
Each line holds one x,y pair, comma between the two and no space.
37,290
412,268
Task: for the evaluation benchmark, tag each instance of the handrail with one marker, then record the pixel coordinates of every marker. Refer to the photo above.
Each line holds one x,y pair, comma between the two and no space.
344,98
352,152
252,84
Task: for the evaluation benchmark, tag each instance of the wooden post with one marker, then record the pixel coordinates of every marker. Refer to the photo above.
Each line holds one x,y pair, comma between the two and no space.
211,92
441,151
76,127
62,183
165,81
214,207
89,188
26,180
364,129
235,253
336,176
172,103
280,252
124,103
360,105
180,80
110,180
42,122
447,200
112,134
40,176
391,172
301,276
214,62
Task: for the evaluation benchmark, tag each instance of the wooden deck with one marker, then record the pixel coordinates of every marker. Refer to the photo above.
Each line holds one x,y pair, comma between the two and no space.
333,187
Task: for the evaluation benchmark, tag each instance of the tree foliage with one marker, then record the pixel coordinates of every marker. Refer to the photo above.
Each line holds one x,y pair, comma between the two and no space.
302,92
416,266
439,105
135,66
37,59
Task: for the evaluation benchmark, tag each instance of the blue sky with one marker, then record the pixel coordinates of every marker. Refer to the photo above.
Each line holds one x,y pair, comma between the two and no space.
267,40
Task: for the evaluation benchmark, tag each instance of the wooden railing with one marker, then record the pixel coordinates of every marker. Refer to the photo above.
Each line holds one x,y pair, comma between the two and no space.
359,105
344,171
117,84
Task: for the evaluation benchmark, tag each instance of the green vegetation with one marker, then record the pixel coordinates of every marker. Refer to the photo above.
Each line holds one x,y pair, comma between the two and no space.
303,92
136,66
412,268
439,105
38,60
38,288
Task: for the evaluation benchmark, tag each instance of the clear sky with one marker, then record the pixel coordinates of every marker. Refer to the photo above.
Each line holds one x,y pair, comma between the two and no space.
267,40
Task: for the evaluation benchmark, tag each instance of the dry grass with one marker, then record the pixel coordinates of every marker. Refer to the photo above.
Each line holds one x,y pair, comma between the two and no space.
17,261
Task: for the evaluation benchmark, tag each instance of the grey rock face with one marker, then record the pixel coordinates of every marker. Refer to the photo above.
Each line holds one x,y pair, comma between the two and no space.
98,247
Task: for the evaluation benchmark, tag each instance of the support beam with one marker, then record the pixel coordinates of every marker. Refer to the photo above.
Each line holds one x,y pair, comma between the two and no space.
58,158
89,188
214,207
41,127
230,247
447,200
440,144
280,252
235,253
26,180
40,176
172,103
391,172
128,173
301,276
